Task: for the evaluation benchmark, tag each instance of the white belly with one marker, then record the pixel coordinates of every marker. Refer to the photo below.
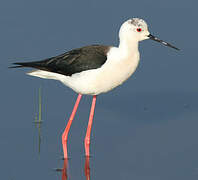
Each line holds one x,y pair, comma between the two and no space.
93,82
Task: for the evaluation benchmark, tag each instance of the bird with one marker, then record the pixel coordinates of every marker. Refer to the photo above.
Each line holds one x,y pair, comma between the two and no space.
95,69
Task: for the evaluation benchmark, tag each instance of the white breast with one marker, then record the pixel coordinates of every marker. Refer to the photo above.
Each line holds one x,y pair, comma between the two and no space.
117,69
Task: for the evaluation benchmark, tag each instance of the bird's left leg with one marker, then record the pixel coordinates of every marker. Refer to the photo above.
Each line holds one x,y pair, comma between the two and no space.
65,133
88,133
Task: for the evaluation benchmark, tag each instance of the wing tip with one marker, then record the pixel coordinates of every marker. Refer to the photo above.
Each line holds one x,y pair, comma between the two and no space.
21,65
16,65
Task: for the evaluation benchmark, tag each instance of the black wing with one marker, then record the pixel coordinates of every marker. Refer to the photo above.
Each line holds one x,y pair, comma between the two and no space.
71,62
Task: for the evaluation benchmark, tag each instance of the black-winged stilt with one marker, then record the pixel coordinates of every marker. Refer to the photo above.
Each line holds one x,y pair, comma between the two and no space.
95,69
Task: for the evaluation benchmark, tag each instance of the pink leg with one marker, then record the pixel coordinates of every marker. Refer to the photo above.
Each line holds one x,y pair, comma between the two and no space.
66,131
88,133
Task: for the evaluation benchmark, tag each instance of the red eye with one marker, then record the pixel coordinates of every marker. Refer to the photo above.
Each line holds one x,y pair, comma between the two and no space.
139,29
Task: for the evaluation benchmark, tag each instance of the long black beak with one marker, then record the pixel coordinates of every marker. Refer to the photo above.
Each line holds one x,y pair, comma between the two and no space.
160,41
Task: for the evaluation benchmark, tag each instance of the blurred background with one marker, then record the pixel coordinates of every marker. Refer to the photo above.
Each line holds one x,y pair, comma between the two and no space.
144,129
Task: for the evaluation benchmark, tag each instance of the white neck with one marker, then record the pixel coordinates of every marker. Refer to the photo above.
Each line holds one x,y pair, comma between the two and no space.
128,47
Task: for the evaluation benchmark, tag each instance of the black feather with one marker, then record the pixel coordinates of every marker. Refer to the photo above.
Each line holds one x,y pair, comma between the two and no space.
74,61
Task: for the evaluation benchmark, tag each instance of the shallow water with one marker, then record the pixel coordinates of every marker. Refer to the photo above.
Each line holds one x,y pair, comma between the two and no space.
143,140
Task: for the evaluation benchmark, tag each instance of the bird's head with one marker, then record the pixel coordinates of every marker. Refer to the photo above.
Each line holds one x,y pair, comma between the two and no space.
136,29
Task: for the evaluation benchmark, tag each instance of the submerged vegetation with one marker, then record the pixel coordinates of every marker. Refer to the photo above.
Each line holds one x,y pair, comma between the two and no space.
38,120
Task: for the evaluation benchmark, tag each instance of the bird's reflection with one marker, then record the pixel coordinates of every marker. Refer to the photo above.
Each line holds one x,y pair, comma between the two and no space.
87,168
64,170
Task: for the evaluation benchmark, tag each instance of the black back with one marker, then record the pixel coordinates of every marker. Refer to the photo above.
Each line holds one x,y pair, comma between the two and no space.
71,62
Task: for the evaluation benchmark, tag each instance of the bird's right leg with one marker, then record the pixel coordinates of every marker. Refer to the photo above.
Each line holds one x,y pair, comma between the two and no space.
66,131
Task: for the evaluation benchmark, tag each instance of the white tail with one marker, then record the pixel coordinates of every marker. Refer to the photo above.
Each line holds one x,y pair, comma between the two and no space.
44,74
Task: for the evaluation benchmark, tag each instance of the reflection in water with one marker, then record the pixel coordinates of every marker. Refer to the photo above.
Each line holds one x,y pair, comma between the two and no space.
87,168
38,122
64,170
